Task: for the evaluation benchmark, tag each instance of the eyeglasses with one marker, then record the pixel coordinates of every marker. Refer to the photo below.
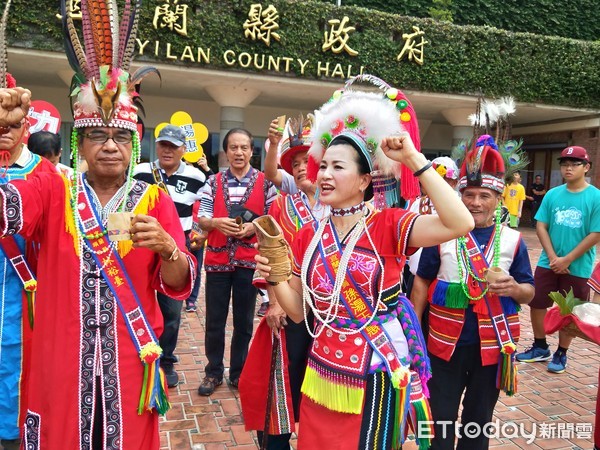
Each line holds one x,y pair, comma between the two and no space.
102,138
570,165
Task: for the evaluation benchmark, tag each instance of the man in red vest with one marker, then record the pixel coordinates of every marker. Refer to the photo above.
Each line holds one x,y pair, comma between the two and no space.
230,201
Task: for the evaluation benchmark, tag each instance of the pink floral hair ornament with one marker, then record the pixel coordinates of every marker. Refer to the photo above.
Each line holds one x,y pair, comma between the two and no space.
365,118
445,167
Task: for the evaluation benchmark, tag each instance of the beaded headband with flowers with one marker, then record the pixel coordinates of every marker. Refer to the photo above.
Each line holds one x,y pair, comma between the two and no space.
366,118
445,167
296,138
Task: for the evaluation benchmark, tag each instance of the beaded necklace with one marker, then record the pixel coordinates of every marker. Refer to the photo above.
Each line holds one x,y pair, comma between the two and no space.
463,255
340,212
329,315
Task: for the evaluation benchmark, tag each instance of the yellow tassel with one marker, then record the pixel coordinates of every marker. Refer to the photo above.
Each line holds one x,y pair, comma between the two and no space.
150,352
334,396
148,200
146,203
70,226
30,286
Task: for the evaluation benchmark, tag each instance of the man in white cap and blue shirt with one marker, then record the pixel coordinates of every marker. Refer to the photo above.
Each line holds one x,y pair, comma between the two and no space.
183,183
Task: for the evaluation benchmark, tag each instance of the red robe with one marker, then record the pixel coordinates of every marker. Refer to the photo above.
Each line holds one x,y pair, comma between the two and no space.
80,340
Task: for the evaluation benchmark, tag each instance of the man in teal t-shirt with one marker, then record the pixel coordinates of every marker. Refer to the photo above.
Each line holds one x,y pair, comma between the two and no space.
568,226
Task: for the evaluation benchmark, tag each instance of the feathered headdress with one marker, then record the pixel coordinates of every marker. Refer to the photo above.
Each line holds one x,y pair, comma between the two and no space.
103,92
490,162
6,79
366,118
483,166
296,138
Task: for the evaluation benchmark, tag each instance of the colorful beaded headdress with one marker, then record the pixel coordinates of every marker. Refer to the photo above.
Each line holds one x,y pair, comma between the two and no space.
103,93
296,138
490,162
365,118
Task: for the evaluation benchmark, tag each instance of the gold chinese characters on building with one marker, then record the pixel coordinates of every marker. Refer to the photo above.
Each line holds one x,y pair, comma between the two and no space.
336,39
414,44
262,24
171,15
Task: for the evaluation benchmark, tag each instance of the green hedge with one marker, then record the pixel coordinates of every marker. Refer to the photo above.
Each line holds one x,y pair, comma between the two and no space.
577,19
458,59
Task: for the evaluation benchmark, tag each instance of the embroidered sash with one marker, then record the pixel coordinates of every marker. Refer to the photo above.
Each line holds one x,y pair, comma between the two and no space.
507,376
113,270
302,213
354,369
17,260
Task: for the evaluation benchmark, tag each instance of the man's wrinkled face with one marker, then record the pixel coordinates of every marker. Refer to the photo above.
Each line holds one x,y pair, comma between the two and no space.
481,203
13,136
107,151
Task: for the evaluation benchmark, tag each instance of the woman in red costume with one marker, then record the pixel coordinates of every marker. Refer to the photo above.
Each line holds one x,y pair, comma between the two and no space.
367,368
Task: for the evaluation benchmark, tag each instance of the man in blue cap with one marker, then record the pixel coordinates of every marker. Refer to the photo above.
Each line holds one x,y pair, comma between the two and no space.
183,183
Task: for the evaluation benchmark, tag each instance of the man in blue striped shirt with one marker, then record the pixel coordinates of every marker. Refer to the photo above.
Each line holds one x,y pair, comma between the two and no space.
243,193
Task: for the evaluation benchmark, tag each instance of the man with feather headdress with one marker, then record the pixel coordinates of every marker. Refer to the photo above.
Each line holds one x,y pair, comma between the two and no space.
95,380
473,319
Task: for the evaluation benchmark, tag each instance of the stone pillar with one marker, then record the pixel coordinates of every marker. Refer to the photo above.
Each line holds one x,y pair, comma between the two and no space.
233,101
231,117
460,134
459,119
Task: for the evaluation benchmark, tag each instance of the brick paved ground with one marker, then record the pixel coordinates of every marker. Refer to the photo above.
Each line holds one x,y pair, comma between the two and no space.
560,401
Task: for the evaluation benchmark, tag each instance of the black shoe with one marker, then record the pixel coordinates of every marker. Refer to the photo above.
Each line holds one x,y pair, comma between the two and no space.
234,382
208,385
171,377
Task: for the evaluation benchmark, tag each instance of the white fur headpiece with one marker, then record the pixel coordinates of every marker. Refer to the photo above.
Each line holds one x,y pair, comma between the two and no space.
366,118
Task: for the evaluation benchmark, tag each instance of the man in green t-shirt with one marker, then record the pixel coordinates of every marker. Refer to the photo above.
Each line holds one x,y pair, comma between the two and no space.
568,226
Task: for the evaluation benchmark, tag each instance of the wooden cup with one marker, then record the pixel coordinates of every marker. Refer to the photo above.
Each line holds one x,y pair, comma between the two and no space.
281,123
240,222
492,274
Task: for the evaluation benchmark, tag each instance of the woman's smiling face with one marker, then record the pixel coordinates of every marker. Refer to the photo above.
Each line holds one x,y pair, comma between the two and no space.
339,179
